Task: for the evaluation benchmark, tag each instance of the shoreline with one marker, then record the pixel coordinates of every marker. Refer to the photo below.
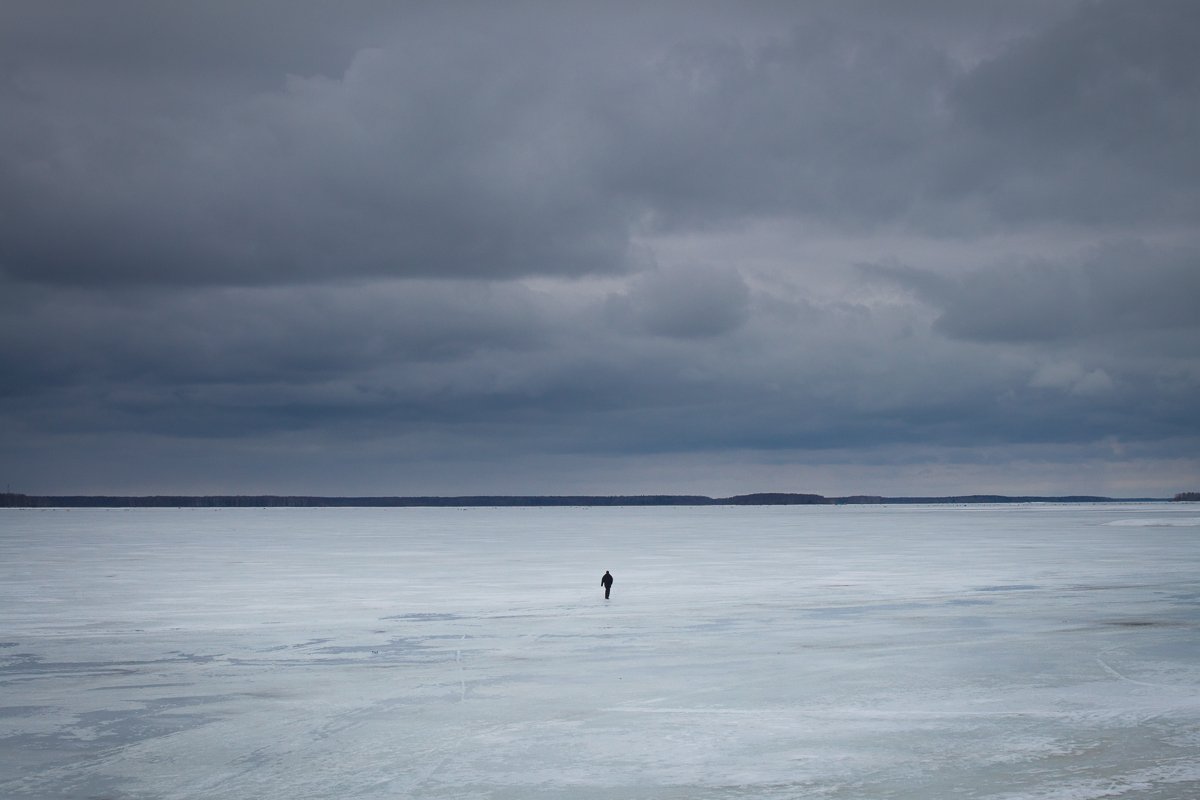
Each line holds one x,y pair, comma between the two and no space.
12,500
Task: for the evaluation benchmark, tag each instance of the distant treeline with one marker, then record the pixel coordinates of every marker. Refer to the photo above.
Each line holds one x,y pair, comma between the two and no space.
13,500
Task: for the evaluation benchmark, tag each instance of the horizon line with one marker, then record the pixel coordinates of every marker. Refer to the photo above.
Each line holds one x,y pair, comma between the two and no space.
21,500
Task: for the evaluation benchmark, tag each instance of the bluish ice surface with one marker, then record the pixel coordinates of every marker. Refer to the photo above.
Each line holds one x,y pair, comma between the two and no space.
1048,652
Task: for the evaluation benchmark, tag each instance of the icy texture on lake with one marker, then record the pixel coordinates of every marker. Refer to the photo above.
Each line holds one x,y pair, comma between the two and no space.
1036,651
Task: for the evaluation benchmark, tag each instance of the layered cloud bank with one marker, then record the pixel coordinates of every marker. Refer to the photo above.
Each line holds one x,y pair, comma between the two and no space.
467,248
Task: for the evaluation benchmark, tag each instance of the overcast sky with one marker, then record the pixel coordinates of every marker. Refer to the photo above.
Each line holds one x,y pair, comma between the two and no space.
854,246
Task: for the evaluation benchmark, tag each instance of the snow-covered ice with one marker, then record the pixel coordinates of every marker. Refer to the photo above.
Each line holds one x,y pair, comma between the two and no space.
1047,652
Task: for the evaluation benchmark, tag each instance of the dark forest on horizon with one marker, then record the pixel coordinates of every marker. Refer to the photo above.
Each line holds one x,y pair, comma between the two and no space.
16,500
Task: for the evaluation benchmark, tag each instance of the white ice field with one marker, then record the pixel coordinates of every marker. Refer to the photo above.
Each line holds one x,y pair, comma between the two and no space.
1042,652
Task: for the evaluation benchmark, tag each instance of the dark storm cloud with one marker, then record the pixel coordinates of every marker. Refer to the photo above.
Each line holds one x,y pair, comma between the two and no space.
1111,290
414,162
238,336
1093,119
456,144
450,242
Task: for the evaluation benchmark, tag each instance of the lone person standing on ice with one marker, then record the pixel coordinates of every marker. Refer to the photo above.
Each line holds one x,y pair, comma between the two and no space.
606,582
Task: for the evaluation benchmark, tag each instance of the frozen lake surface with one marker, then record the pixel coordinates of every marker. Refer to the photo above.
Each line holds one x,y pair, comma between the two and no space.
1048,652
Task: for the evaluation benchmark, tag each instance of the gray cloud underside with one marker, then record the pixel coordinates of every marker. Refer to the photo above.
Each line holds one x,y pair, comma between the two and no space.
530,230
1113,290
458,150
